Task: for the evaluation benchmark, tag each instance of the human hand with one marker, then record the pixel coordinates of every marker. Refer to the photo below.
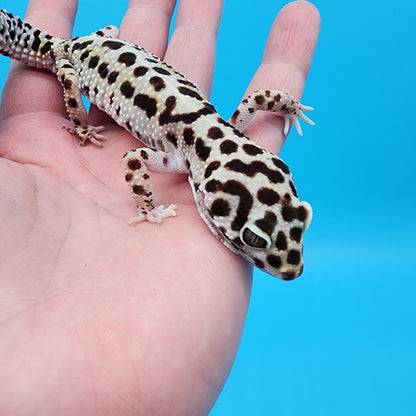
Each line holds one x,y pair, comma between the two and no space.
97,316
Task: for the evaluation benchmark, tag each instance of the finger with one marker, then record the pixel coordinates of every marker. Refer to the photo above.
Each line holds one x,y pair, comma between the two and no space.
147,22
285,65
192,47
29,90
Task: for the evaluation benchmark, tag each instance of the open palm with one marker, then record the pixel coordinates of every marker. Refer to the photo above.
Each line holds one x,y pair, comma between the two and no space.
96,316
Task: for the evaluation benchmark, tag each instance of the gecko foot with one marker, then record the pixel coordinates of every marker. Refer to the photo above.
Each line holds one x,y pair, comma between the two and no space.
90,133
293,118
157,214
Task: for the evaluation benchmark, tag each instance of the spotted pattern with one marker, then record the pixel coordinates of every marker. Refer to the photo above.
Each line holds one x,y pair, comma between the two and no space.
245,194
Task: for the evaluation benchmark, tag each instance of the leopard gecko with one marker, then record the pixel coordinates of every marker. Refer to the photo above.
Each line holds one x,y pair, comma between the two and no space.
245,194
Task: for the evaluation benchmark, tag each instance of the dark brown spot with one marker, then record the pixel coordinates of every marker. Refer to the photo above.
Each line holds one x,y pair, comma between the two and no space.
67,84
252,149
293,257
220,208
213,186
127,58
274,261
267,223
36,42
239,134
93,61
145,176
288,213
46,48
201,150
296,234
268,196
259,99
186,82
85,55
157,83
128,177
281,241
215,133
191,93
235,115
165,161
103,70
228,146
281,165
293,188
146,103
140,71
112,77
211,167
127,89
139,189
134,164
161,71
113,44
188,136
82,45
172,138
302,213
72,102
144,154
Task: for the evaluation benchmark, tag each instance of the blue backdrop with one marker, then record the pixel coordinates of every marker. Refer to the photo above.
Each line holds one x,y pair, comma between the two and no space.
340,340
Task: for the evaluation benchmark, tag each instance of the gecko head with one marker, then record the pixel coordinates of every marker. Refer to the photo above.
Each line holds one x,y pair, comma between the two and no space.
257,214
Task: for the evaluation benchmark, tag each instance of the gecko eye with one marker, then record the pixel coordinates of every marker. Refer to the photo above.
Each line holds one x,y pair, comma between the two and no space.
253,237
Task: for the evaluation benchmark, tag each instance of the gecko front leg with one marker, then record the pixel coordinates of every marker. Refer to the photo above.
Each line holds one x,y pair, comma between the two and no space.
277,102
136,164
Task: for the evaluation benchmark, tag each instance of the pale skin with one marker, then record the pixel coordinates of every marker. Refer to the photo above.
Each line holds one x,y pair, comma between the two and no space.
97,316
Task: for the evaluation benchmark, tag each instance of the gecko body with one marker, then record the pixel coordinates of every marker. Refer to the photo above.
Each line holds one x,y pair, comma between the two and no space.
245,195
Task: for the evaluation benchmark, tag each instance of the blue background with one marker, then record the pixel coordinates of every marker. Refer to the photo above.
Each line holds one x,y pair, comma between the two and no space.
340,340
